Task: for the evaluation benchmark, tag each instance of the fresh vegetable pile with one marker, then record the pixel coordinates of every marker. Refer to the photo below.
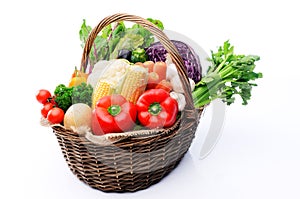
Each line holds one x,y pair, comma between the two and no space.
131,83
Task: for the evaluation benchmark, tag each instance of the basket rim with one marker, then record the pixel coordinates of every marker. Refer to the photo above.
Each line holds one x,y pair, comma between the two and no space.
112,138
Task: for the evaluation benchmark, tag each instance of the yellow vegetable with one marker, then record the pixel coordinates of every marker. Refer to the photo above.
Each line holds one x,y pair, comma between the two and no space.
75,81
78,77
98,71
103,88
129,81
111,80
135,83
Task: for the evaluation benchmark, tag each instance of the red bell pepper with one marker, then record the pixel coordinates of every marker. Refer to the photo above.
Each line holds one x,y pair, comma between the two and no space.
113,114
156,109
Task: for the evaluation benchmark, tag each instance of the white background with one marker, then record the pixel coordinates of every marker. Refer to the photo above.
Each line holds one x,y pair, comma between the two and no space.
258,155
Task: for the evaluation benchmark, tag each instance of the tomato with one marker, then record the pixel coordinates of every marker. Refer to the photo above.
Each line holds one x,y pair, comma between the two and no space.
46,108
55,115
42,96
52,101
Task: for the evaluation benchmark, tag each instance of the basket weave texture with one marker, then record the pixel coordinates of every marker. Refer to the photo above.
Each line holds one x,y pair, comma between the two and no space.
138,159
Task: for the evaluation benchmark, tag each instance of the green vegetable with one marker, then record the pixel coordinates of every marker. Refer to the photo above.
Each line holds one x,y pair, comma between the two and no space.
156,22
114,38
66,96
139,55
128,42
229,75
82,94
84,32
95,54
63,96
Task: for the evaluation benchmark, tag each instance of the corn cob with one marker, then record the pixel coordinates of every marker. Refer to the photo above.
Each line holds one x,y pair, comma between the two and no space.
110,80
102,88
135,83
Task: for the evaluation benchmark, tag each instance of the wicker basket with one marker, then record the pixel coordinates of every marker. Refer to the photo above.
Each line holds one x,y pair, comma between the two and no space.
138,159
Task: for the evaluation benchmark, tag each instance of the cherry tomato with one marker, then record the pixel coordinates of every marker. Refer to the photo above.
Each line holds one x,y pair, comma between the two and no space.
42,96
46,108
55,115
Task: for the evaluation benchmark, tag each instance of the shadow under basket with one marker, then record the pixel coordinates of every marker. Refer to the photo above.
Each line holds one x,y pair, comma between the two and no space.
141,158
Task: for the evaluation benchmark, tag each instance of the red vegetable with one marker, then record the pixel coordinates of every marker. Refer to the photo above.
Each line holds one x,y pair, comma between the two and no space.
42,96
156,109
46,108
113,114
55,115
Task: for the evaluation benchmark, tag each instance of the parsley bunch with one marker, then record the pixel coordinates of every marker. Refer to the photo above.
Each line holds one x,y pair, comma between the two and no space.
63,96
230,75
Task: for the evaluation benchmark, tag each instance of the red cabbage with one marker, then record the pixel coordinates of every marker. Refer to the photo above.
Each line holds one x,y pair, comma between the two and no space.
156,52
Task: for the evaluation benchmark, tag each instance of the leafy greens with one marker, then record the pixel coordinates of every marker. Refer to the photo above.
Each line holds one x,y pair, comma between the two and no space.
116,37
229,75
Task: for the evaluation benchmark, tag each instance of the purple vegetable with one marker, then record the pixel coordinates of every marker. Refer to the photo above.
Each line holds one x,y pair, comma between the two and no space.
156,52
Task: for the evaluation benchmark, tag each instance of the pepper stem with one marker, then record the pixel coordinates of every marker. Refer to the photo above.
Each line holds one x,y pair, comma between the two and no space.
114,110
154,108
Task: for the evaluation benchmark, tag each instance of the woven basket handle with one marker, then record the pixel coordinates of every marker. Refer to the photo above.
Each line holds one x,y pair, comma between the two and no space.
160,35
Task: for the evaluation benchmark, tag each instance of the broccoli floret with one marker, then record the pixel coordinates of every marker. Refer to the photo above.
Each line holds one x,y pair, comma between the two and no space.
66,96
83,94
